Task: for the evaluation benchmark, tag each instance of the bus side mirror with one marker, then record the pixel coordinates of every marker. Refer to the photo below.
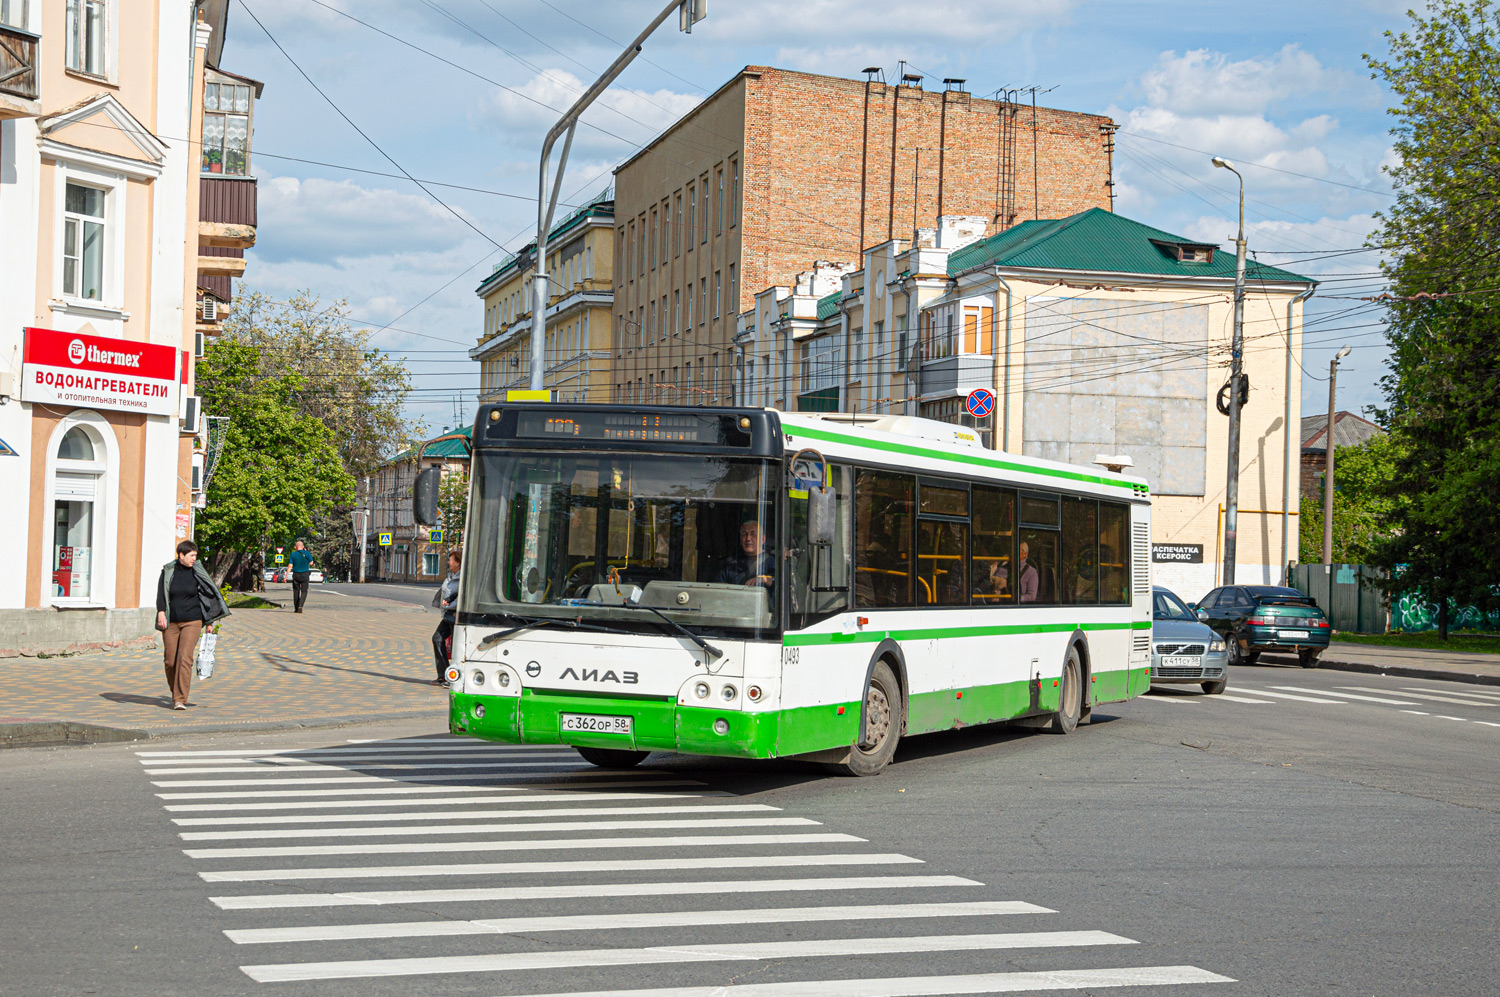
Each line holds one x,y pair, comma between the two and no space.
820,516
424,496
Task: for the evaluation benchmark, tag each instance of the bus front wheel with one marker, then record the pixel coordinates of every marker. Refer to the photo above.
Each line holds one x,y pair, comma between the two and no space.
1070,696
882,726
612,758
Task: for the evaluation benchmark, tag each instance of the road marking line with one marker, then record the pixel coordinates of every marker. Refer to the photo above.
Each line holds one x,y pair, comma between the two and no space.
553,868
441,801
669,954
605,922
457,765
477,814
324,780
282,763
582,825
1348,695
1175,700
1429,698
494,787
938,986
1462,720
1300,699
445,746
1238,699
524,845
585,891
1483,693
1418,713
1486,723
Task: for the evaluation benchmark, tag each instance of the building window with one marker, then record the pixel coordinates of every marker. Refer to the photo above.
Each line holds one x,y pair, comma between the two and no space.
692,214
703,182
690,306
734,290
13,13
83,242
583,341
666,231
76,491
718,293
676,310
703,305
226,129
641,249
630,253
677,248
719,214
734,192
654,226
84,40
429,563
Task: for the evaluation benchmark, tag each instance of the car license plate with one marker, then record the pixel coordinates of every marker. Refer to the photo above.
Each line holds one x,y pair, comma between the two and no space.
1295,634
1179,661
594,723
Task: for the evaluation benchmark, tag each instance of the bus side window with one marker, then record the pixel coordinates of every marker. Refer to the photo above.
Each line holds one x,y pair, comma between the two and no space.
994,546
1114,554
820,576
1080,552
883,507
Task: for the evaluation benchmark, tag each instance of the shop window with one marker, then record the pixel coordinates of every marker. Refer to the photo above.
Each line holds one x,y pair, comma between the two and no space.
75,515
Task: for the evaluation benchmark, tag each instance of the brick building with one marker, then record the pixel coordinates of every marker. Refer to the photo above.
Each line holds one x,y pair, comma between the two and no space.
1349,430
779,169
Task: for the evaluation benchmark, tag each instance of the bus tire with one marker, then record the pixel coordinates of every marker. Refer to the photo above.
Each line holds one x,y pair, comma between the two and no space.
881,716
1069,695
612,758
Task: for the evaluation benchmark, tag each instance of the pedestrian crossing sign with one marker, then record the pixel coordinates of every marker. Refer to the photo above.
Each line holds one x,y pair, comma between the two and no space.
280,558
435,536
385,539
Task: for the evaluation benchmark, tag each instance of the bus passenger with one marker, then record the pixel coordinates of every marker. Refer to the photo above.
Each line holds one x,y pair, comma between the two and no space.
754,564
1027,574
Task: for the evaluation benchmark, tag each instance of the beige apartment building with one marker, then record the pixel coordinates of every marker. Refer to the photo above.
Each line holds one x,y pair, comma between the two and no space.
397,547
109,227
777,170
1096,334
580,267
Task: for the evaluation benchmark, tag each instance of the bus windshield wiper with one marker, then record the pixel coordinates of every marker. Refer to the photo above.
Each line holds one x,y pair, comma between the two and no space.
528,622
708,648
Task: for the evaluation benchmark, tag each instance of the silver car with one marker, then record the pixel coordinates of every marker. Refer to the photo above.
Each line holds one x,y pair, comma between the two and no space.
1184,650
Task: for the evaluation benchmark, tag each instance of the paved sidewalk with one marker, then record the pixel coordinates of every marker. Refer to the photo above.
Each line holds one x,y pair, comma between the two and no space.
1417,663
346,658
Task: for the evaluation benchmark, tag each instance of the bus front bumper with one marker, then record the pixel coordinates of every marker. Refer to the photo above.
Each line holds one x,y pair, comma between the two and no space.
657,724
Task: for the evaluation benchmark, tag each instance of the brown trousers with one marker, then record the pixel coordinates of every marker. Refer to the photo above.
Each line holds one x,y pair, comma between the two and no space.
180,644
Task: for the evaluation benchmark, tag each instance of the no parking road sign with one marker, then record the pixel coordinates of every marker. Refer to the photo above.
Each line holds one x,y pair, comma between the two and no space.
980,403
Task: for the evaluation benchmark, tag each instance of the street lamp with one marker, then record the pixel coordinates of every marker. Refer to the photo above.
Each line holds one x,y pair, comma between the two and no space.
689,12
1236,390
1333,376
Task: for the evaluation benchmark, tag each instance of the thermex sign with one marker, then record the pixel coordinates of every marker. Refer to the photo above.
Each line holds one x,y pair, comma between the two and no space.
68,368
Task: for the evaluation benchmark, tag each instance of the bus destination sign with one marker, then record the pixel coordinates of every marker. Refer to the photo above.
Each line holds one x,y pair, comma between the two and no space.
637,427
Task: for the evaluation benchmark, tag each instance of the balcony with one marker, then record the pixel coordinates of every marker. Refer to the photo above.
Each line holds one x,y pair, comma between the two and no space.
227,212
18,73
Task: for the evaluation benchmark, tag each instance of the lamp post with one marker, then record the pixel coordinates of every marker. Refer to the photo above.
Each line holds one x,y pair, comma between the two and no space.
1333,376
689,12
1236,365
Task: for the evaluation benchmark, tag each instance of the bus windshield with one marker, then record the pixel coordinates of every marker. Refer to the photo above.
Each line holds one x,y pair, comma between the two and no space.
600,537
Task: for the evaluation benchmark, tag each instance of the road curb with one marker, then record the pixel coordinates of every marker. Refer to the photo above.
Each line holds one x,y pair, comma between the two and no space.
1402,671
52,733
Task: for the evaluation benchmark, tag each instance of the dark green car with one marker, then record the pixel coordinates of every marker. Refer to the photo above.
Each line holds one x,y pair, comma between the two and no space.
1257,618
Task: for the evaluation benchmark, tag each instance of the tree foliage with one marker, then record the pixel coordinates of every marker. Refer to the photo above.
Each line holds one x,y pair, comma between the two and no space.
1364,513
351,387
279,467
453,506
1443,241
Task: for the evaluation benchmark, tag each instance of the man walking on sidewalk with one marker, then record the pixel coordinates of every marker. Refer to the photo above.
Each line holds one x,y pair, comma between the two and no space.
301,570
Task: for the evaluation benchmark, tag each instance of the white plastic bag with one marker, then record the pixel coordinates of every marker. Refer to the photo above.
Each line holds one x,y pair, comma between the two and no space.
206,654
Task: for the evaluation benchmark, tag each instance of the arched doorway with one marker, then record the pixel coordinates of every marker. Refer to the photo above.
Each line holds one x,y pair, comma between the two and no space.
77,514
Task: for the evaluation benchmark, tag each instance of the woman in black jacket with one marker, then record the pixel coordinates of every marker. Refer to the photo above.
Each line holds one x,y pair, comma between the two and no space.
186,600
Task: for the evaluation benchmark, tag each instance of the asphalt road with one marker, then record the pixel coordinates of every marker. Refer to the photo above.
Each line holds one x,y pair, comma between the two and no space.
1293,838
417,595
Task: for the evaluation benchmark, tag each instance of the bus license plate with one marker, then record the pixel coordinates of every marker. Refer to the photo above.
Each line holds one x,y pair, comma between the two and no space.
1179,661
593,723
1295,634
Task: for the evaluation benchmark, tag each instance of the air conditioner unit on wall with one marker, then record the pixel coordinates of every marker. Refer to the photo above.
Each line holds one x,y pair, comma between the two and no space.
192,413
210,309
197,474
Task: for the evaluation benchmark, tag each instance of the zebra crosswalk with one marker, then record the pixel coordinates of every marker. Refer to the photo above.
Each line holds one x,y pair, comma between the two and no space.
1269,692
518,867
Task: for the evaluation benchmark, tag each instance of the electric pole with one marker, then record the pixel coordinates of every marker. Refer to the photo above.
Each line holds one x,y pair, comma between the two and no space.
1236,391
1333,376
689,13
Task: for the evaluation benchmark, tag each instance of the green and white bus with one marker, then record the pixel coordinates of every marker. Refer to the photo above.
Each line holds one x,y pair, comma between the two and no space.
763,584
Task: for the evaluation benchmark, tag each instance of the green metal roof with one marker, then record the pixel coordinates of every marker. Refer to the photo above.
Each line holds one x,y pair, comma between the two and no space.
450,443
1100,241
603,206
829,306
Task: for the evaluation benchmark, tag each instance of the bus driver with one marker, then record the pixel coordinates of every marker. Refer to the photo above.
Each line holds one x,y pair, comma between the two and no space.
754,564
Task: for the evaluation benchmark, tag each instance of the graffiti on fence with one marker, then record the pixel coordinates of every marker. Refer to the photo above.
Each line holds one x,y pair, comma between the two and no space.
1413,614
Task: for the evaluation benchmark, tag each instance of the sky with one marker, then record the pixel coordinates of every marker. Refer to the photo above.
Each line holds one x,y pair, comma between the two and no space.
362,96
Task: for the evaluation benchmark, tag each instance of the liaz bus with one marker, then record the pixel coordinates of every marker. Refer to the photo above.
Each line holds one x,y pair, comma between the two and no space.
763,584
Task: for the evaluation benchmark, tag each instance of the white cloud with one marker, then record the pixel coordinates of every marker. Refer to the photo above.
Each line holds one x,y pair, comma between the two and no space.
1201,81
323,220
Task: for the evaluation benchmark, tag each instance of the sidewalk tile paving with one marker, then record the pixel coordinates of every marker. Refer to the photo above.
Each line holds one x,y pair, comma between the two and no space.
356,657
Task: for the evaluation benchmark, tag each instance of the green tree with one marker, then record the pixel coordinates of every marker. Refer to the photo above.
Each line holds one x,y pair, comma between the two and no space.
453,507
1364,513
1443,241
354,388
279,467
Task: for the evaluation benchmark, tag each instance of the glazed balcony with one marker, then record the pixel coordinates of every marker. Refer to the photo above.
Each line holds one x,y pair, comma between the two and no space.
18,73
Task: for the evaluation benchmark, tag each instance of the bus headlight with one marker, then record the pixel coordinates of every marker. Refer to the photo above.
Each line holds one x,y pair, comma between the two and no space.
728,693
503,677
701,690
476,677
753,693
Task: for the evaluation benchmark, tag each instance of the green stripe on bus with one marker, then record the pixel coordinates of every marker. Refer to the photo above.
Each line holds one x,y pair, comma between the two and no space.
939,633
961,458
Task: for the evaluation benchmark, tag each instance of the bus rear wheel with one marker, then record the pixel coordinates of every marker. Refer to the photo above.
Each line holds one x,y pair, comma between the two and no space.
882,726
1070,696
612,758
